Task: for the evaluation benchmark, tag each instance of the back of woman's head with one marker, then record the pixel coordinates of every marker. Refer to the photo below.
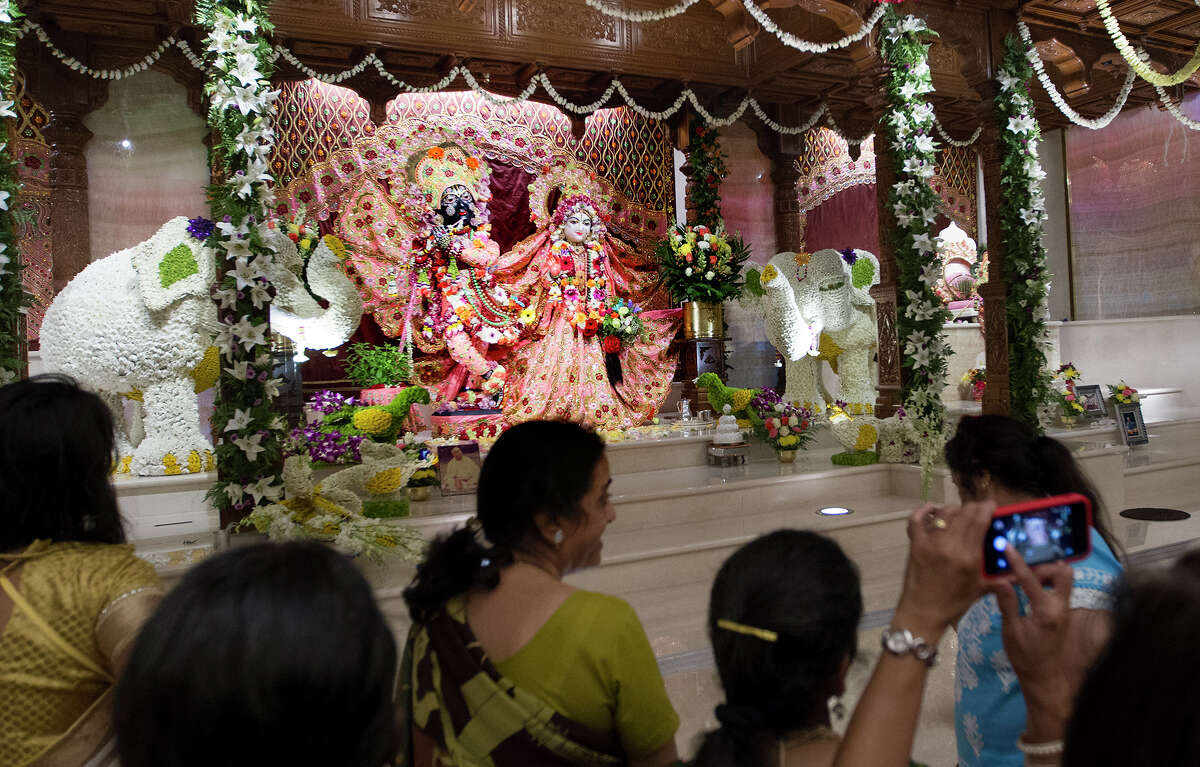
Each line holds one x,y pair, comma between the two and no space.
801,586
1138,702
281,642
1015,457
56,462
536,467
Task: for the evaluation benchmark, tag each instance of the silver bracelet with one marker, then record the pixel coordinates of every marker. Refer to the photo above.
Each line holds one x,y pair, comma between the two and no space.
1049,748
902,642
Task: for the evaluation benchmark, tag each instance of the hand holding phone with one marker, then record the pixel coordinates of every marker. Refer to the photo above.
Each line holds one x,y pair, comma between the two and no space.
1045,530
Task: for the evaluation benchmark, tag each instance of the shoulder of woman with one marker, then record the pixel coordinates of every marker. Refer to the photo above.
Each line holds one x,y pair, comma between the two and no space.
609,611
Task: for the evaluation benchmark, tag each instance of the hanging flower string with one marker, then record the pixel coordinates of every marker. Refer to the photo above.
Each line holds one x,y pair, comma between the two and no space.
1035,60
792,41
640,16
908,128
239,60
1023,211
12,292
1135,61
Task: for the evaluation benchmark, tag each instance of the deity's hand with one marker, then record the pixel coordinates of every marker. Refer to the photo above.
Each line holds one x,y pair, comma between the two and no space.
441,235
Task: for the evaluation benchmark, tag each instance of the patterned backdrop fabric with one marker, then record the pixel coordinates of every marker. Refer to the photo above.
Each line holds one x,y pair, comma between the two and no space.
314,120
827,170
32,154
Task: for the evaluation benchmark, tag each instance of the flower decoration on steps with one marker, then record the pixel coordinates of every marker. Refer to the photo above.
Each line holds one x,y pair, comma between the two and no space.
1066,399
13,300
908,130
332,510
239,61
783,425
1123,394
1023,211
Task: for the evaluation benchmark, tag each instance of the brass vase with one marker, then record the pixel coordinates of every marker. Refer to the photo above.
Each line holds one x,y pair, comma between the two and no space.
785,456
703,319
418,493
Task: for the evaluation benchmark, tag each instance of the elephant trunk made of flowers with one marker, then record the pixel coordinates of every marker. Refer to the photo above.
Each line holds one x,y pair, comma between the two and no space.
141,324
817,308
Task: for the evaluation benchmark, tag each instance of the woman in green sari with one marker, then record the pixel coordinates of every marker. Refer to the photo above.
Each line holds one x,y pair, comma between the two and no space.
505,663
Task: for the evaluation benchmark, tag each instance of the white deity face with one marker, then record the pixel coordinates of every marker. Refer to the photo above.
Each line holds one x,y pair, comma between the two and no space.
577,227
834,295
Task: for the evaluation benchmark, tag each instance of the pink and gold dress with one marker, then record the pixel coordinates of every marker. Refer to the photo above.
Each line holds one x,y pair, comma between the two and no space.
559,373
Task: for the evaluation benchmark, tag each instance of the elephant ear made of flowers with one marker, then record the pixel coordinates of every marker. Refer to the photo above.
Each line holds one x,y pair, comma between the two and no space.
173,264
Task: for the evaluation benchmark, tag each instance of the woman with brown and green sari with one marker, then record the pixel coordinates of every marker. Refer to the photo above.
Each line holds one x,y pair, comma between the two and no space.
505,663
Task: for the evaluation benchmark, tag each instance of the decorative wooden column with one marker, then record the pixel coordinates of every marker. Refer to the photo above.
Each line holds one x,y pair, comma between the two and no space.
890,391
996,396
789,229
68,97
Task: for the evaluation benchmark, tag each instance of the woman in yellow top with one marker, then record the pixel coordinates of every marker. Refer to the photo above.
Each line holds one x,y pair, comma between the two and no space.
71,597
508,665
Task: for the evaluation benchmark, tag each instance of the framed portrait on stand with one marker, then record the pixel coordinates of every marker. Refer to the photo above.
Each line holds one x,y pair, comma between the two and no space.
1092,400
458,468
1133,428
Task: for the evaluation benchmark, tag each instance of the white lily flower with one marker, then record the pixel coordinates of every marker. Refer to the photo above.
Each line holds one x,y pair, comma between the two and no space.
923,243
244,274
239,420
6,108
264,488
924,144
1021,125
259,296
4,200
255,335
246,69
251,445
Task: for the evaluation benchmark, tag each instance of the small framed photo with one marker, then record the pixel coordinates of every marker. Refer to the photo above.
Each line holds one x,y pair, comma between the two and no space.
458,468
1133,428
1092,400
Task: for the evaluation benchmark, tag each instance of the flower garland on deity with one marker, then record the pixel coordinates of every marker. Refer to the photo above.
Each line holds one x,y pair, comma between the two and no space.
908,130
582,297
1022,215
13,299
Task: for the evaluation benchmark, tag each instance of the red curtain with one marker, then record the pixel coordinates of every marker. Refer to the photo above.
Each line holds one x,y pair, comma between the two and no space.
849,219
509,210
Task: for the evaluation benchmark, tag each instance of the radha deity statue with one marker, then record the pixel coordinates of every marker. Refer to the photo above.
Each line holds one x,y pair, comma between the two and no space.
568,273
435,288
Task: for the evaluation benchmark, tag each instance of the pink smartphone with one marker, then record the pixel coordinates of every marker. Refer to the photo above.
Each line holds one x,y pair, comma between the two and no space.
1045,530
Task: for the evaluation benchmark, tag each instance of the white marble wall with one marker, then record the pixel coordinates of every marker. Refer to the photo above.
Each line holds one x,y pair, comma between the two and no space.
146,161
1148,353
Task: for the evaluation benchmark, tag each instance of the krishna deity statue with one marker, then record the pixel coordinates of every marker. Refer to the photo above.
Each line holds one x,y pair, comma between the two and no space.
427,254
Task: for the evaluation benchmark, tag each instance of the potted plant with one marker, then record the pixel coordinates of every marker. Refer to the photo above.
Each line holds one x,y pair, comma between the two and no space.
702,267
381,370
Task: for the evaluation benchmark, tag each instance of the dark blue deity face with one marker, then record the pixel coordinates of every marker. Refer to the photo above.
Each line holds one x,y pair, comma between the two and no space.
457,207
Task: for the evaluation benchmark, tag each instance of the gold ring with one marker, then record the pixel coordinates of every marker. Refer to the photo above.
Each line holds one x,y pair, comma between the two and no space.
939,523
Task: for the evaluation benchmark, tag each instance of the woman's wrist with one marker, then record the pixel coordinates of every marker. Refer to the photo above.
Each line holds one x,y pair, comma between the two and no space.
919,622
1045,722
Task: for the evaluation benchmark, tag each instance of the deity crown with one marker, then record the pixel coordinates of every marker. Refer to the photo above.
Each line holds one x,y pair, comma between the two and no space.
445,166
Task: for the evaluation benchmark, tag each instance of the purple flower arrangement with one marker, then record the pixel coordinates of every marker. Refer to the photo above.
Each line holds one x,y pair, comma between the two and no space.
324,447
200,228
327,402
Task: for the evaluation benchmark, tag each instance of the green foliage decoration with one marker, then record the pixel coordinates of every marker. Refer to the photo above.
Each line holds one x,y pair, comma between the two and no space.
179,263
707,163
378,365
1022,213
14,301
908,135
239,63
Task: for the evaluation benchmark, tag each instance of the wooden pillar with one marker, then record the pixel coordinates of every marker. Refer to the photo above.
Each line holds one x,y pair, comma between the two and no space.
890,391
68,97
789,230
996,396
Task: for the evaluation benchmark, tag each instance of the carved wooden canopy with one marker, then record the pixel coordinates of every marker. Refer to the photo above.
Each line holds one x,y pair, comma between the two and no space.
716,48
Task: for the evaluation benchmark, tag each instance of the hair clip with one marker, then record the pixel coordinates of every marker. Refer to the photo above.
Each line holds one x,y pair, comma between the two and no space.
738,628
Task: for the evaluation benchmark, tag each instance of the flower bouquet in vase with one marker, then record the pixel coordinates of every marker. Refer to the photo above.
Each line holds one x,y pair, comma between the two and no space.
786,427
974,381
619,326
425,476
702,267
1122,394
1067,401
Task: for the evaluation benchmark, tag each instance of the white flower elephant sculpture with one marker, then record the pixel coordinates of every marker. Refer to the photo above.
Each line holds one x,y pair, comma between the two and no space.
817,309
141,324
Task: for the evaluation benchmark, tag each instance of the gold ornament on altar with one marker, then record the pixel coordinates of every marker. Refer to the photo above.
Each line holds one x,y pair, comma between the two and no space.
446,165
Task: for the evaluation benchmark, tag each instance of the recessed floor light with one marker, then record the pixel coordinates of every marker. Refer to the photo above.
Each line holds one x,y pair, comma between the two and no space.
834,511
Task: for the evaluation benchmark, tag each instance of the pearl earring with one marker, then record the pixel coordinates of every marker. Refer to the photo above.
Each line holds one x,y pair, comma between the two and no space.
558,537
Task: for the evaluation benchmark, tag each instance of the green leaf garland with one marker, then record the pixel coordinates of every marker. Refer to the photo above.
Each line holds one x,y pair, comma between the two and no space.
1022,213
239,62
908,135
13,300
707,162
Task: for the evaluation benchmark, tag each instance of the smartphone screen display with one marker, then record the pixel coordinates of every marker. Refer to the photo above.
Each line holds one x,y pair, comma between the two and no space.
1041,535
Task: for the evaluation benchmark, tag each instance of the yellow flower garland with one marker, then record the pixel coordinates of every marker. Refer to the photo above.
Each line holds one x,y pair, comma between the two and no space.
1131,57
